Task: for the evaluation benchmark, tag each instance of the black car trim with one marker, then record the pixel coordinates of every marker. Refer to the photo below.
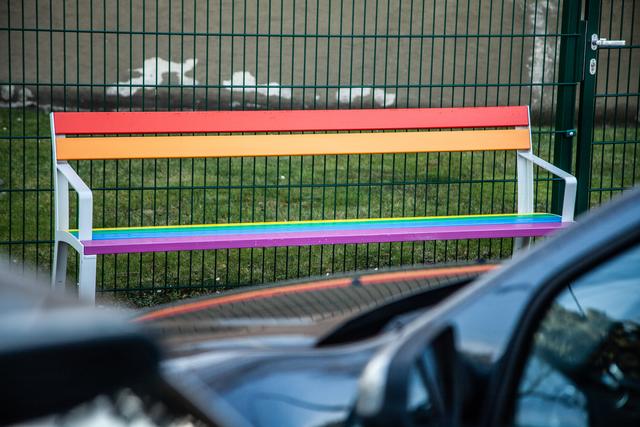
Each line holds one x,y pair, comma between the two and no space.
373,321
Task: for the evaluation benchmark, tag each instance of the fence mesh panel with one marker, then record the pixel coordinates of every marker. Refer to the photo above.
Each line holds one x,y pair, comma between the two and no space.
269,54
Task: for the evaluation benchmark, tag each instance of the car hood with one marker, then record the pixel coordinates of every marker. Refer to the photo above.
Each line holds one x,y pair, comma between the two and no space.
290,314
302,386
228,335
259,350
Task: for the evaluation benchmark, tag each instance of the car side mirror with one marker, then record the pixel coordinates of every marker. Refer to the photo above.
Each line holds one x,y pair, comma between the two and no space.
415,383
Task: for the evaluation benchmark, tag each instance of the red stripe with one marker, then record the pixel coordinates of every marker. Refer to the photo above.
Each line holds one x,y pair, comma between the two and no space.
287,121
368,279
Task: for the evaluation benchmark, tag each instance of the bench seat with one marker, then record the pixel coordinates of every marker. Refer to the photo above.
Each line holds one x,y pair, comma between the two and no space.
303,233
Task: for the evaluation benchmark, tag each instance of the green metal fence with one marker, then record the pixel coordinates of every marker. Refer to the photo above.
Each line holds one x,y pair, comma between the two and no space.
283,54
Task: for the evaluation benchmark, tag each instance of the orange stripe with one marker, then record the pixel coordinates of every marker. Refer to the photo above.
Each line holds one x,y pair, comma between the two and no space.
312,286
245,296
423,274
154,147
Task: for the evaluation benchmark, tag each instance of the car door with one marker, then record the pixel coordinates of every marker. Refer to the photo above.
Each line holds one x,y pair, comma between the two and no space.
580,365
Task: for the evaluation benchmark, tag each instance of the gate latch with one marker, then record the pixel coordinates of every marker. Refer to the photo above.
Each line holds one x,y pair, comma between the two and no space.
603,43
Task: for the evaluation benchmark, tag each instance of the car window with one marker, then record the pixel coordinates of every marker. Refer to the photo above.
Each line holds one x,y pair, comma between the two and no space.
584,365
418,402
428,393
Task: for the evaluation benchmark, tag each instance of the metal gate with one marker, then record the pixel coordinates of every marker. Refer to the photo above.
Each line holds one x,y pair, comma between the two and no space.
604,59
608,147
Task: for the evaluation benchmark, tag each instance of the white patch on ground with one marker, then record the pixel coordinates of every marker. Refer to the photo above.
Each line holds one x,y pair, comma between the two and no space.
383,98
541,63
16,96
348,95
245,82
380,96
6,92
155,71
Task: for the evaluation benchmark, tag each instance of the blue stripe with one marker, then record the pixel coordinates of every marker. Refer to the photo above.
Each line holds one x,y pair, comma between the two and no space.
285,228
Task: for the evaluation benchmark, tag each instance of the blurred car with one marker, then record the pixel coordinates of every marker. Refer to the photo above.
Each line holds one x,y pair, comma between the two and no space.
552,338
66,364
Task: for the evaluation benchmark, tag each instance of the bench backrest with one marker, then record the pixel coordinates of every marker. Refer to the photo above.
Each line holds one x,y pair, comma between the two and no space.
126,135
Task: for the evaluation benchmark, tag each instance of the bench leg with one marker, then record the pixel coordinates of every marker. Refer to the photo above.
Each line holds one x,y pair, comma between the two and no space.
521,243
87,279
59,273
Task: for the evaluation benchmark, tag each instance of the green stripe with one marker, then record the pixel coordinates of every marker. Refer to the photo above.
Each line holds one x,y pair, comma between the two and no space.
323,223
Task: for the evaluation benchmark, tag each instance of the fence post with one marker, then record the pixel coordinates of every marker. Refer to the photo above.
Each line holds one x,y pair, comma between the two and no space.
587,108
569,74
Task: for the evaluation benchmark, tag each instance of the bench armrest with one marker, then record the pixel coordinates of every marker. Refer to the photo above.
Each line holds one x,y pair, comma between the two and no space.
85,200
570,187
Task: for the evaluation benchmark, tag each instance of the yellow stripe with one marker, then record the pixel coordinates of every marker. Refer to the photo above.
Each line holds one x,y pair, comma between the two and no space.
154,147
325,221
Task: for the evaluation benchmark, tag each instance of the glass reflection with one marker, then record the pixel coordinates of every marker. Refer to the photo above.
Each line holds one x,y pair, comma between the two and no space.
584,369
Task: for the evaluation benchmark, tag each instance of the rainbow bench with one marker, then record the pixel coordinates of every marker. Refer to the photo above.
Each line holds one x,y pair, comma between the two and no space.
108,136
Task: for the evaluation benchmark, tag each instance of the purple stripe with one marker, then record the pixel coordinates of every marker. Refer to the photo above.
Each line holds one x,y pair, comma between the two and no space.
318,238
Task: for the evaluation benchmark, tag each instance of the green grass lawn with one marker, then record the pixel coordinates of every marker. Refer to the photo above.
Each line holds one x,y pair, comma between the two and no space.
150,192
